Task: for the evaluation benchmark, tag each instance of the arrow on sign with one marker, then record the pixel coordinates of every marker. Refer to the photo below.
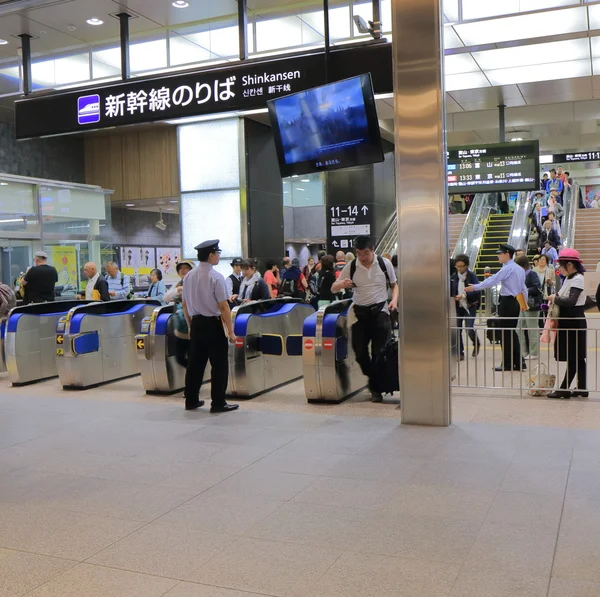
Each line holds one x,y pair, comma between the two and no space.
365,209
335,243
60,339
140,344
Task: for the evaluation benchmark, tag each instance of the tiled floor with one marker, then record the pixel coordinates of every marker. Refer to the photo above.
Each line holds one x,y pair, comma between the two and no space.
108,493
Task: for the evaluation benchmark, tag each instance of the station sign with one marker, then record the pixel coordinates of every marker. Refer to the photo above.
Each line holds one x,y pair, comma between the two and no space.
581,156
493,168
236,86
346,222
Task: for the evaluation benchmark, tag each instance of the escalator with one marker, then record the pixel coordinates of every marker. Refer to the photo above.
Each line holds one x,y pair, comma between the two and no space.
497,232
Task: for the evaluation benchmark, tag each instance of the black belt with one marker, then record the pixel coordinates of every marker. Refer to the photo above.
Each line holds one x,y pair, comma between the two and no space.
205,317
505,296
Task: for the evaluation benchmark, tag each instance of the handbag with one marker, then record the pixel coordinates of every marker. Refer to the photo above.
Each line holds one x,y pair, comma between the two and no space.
554,311
549,332
541,382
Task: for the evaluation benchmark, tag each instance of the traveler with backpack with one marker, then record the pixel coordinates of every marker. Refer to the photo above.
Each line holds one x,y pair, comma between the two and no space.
327,277
253,287
340,263
180,326
8,299
293,282
370,276
119,285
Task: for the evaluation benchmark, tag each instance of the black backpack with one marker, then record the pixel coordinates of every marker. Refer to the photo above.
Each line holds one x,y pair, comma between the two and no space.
381,263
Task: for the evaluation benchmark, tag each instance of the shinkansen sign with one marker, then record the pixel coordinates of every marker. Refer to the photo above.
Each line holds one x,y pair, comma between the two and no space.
244,85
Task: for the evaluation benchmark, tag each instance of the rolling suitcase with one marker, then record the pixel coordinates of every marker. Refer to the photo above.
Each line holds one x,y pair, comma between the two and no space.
387,379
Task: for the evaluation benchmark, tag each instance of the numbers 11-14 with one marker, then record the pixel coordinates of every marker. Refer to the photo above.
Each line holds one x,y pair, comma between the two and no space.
350,210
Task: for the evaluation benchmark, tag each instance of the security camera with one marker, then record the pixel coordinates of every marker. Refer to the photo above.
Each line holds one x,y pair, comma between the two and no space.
161,224
364,27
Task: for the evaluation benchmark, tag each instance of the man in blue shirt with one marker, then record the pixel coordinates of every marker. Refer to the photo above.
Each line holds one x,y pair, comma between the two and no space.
554,183
119,285
550,252
512,278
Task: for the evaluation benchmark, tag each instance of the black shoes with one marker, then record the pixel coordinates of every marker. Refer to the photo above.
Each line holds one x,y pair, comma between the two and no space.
225,408
476,350
501,368
560,395
376,397
194,405
462,357
580,394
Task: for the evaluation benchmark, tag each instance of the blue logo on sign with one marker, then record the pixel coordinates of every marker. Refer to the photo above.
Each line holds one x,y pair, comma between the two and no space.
88,109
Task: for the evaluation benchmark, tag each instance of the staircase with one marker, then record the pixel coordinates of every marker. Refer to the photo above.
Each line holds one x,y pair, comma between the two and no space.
455,226
587,237
496,233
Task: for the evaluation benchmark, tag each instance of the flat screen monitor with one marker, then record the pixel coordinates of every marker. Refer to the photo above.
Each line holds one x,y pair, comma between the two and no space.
326,128
494,168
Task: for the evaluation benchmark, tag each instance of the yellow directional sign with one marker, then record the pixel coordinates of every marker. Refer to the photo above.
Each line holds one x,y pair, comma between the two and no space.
60,352
60,339
140,343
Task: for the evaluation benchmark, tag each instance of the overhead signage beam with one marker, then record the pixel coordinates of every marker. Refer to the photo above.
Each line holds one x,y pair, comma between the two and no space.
239,86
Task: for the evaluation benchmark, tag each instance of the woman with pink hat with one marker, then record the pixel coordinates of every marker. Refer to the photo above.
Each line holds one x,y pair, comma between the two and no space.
571,340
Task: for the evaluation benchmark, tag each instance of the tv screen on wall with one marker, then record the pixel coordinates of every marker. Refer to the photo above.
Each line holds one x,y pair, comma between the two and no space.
326,128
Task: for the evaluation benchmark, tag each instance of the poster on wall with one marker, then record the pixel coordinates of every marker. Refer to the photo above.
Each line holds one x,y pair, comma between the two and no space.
137,263
64,259
166,262
591,192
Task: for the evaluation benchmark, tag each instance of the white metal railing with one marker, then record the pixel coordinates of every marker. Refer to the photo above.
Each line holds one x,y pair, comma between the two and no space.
477,368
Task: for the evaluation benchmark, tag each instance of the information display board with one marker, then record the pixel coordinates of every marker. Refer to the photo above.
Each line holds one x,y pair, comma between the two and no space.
580,156
346,222
493,168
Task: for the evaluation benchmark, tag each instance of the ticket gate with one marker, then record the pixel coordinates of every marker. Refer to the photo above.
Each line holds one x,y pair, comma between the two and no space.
268,348
2,336
95,343
155,344
30,338
331,373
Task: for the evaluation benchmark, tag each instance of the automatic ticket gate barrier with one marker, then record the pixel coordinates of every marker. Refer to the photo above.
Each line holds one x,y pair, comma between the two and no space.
95,343
331,373
156,349
268,348
2,336
29,343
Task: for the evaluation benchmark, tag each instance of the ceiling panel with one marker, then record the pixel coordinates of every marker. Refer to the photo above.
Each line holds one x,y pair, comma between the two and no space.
451,105
561,90
510,103
463,138
385,109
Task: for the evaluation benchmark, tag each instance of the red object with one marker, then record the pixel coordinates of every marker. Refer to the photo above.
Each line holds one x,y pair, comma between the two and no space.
569,255
327,344
239,342
309,344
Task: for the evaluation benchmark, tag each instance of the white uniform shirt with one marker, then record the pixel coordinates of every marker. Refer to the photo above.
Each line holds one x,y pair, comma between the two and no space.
371,283
576,281
203,289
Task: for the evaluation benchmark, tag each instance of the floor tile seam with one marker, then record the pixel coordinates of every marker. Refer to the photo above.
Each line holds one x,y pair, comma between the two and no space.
201,584
37,553
562,511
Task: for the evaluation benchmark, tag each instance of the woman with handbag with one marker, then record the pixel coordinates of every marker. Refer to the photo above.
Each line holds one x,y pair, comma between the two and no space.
571,338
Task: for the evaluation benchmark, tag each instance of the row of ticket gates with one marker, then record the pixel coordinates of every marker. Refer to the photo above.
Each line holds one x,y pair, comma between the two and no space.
87,344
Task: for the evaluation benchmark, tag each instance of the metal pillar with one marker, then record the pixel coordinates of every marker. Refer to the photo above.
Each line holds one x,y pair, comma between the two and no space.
26,61
376,19
422,206
125,64
502,122
326,37
243,28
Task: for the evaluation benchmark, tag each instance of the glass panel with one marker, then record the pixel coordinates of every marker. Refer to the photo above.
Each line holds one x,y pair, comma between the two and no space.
106,62
304,191
148,55
15,257
9,80
60,71
18,207
209,155
209,214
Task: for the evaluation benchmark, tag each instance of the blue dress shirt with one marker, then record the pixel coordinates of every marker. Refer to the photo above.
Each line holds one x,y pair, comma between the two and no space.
512,277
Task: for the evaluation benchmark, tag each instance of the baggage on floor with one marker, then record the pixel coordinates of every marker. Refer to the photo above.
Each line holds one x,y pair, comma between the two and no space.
387,379
494,335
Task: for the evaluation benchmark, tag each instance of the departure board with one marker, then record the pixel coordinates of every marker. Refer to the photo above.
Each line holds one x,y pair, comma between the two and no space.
493,168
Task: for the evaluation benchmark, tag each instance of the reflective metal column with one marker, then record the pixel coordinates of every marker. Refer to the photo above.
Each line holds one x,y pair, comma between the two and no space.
422,205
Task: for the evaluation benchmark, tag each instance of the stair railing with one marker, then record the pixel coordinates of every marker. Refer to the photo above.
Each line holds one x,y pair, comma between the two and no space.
388,242
519,229
570,204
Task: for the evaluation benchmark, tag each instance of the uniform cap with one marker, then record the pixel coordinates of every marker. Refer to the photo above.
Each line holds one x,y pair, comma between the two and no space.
213,245
41,254
182,263
569,255
506,249
237,261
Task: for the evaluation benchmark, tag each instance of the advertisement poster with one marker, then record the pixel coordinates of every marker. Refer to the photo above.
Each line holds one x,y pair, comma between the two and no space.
591,192
64,260
138,262
167,260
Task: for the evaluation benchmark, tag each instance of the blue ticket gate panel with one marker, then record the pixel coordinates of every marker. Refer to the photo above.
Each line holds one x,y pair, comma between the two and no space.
156,349
98,342
268,348
331,373
29,344
2,336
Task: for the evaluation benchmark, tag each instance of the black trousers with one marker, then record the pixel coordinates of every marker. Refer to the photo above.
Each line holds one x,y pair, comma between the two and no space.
207,343
467,316
373,331
182,349
511,349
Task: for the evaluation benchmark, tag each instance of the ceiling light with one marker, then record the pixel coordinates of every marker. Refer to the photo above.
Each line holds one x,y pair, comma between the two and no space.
181,4
305,180
3,42
517,139
94,21
170,208
299,189
129,204
3,184
174,201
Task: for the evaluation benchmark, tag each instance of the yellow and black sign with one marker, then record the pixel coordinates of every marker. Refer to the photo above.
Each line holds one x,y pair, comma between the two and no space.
60,339
140,343
60,352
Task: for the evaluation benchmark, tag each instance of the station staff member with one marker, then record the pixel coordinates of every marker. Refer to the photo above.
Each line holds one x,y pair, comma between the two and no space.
209,320
234,281
512,277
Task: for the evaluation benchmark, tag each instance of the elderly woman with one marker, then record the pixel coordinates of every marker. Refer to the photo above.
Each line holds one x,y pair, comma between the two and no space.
571,339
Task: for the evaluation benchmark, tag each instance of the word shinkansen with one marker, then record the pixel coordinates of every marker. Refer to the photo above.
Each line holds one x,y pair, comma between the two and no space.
270,78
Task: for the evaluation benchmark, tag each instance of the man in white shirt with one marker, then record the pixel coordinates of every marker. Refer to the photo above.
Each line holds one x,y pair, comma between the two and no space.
369,275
